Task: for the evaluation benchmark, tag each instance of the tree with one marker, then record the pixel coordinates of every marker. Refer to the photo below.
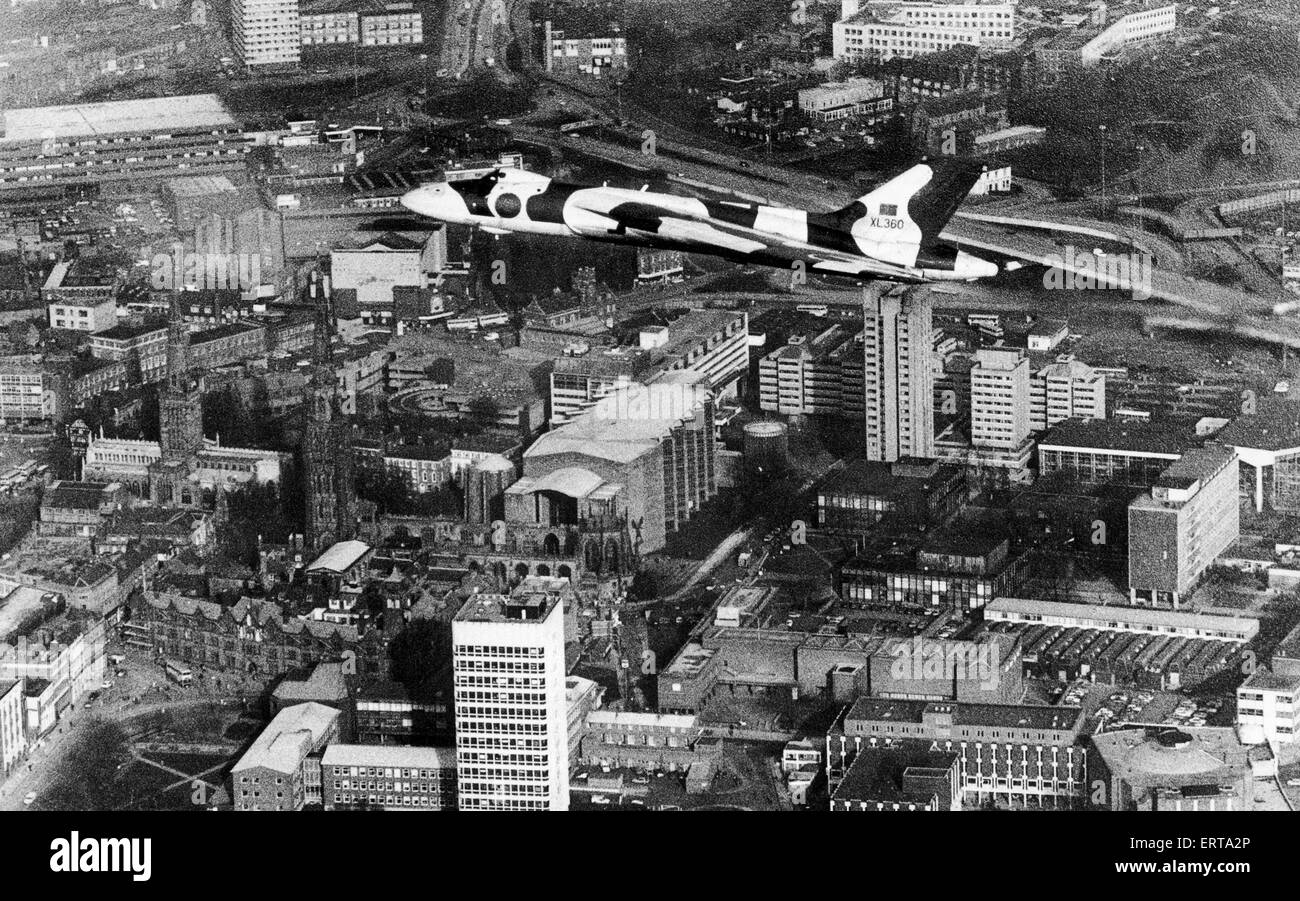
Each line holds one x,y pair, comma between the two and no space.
255,510
645,586
24,333
224,415
88,777
441,371
484,408
388,489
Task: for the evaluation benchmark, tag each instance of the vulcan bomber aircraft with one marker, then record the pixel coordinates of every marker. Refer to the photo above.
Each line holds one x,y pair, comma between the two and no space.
890,233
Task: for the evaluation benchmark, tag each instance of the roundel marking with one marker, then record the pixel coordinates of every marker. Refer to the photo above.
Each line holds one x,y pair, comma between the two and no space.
508,206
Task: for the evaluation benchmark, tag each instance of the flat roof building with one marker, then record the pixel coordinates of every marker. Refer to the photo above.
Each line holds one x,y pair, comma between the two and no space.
1188,518
388,777
512,741
1116,618
906,775
879,30
898,359
266,32
1268,445
1053,769
999,398
1065,389
57,147
1104,451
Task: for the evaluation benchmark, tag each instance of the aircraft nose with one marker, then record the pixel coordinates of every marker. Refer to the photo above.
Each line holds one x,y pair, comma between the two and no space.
436,202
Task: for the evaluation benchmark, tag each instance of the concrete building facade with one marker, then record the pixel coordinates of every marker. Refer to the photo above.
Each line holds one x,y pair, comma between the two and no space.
898,342
508,669
999,399
1188,518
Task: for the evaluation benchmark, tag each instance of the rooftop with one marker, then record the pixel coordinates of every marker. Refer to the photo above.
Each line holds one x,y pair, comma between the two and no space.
1197,464
1270,680
637,720
385,243
879,774
1289,646
403,756
326,682
970,535
340,557
625,424
200,186
1130,616
223,331
1164,756
419,452
1022,716
125,331
1274,426
533,607
289,738
82,120
1169,437
66,495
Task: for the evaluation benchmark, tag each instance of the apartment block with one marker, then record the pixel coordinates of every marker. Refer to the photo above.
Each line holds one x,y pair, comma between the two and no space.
999,399
395,23
898,381
1188,518
814,375
266,32
1065,389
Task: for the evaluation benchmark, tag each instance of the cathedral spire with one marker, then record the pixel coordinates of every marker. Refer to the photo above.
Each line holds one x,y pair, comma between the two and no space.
322,349
178,345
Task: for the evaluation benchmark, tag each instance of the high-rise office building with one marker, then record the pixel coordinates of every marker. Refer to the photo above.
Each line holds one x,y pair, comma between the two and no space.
1064,390
266,32
999,398
512,744
898,346
1188,518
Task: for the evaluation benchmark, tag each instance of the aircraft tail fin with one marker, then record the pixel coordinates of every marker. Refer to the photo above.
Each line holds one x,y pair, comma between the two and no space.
928,194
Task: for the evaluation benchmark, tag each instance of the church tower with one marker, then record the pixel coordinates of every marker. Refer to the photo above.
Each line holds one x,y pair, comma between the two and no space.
327,446
180,420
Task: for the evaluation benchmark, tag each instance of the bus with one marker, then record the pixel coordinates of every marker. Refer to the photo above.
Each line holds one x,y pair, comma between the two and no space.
178,672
